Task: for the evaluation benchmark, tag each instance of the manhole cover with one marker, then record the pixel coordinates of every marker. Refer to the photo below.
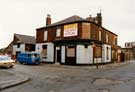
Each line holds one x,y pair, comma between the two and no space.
103,90
106,81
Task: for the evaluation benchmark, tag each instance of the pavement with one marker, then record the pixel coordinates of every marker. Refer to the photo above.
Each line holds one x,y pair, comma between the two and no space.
10,79
103,66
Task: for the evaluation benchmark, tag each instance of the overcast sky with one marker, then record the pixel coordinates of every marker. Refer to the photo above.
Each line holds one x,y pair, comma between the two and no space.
24,16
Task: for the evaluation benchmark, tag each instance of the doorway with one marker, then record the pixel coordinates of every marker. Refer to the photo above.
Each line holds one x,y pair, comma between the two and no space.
71,55
58,54
17,52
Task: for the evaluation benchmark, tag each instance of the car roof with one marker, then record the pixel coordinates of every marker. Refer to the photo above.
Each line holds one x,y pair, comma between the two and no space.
3,56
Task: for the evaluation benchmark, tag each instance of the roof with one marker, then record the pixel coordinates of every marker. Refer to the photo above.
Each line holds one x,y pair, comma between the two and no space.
68,20
72,19
9,47
26,39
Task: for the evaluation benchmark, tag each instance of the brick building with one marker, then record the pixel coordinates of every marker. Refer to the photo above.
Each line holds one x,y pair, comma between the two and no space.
23,43
129,51
76,40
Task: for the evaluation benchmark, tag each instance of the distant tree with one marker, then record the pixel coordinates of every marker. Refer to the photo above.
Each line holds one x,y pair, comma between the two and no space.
2,50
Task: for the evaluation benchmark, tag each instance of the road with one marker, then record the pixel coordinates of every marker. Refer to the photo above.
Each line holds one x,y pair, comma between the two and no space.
61,78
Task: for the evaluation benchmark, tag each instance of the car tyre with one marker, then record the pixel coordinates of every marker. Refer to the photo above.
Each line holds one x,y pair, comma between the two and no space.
11,66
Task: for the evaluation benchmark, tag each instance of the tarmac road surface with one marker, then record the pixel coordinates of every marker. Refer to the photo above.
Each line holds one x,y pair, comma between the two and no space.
62,78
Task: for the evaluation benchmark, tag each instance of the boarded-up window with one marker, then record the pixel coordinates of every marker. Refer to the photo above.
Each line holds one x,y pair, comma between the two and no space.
44,51
86,30
115,41
114,55
97,51
71,51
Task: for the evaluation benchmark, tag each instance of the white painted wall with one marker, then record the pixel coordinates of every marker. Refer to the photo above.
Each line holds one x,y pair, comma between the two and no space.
104,53
50,51
84,55
63,54
21,49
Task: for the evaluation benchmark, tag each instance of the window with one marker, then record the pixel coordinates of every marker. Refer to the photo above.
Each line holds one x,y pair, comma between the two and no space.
45,35
86,46
133,43
107,38
18,45
99,35
113,54
58,32
107,53
71,51
86,30
115,40
29,55
97,51
127,45
44,51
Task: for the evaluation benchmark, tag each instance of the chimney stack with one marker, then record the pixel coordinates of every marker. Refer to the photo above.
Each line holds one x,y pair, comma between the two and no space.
99,19
48,19
89,18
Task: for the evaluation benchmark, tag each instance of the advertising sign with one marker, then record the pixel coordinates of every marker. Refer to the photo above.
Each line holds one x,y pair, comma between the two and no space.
70,30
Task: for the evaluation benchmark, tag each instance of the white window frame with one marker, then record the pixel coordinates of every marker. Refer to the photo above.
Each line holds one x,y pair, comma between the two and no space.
45,35
100,35
114,42
58,32
107,38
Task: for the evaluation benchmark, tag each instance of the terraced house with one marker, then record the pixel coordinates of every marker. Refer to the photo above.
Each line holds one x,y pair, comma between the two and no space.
76,40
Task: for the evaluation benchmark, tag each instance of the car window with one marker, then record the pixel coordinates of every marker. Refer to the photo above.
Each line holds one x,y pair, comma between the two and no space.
29,55
4,58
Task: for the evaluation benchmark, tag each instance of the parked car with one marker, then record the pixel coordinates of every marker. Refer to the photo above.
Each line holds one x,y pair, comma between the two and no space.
6,61
28,58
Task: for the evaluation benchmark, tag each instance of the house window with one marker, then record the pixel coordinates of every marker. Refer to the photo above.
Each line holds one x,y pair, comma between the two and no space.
99,35
86,30
44,51
86,46
113,54
107,53
58,32
107,38
45,35
127,44
97,51
71,51
115,40
18,45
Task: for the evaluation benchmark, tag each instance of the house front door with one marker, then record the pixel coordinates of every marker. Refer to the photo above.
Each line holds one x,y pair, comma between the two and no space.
58,54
